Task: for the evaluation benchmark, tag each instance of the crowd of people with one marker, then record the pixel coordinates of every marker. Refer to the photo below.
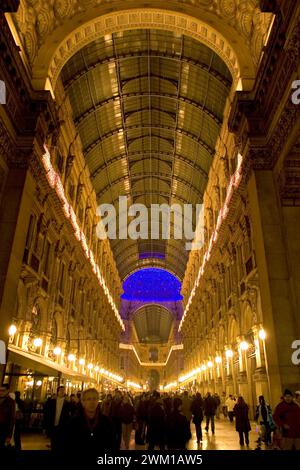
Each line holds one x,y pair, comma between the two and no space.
93,423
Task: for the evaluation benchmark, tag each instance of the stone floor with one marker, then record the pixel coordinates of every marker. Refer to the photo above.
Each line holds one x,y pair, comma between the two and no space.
225,438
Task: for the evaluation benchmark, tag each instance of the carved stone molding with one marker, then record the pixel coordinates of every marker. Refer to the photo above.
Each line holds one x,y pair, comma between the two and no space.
37,20
264,157
293,46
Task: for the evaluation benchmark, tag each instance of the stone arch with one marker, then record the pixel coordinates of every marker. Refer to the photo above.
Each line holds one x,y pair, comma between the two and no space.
233,330
51,45
247,319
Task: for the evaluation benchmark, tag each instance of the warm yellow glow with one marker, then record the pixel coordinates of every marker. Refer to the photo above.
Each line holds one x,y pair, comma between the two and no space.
81,361
218,360
12,330
90,366
57,351
183,378
96,368
244,345
262,334
133,384
71,357
170,385
39,383
229,353
209,364
203,368
38,342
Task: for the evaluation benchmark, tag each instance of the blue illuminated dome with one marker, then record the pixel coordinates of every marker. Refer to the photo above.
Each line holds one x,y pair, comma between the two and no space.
152,285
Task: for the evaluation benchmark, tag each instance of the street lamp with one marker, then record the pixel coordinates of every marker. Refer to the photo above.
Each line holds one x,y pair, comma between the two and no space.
244,345
12,330
262,335
57,351
38,342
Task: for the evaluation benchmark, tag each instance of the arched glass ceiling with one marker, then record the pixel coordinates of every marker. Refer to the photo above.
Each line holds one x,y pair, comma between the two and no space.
152,285
148,106
153,324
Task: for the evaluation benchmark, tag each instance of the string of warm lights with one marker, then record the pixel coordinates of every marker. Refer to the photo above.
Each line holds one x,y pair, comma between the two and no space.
234,184
243,346
57,351
170,385
133,385
56,183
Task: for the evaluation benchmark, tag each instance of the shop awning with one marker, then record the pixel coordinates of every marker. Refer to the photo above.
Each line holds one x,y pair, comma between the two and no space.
37,363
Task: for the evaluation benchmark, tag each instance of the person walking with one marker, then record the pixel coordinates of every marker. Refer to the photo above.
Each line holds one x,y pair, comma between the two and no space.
7,417
263,417
197,411
218,402
106,405
297,398
116,415
242,423
20,409
287,417
141,420
223,404
156,422
186,407
57,413
210,406
178,431
127,414
89,432
230,404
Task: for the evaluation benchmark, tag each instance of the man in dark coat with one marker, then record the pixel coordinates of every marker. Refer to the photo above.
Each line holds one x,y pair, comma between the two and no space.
197,411
7,417
156,422
90,433
210,406
178,428
287,417
57,414
116,416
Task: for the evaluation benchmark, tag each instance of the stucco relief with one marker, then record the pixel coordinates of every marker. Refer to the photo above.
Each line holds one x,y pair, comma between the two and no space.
37,19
